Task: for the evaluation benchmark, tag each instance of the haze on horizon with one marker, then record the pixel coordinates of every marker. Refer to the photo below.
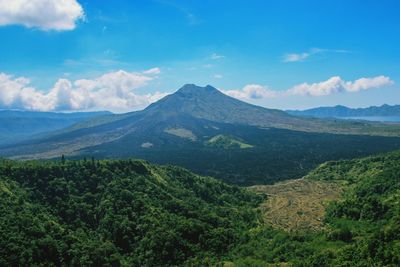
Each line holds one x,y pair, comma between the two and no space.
121,56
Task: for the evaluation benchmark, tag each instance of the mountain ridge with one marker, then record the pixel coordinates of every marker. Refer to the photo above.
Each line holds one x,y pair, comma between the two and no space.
343,111
18,125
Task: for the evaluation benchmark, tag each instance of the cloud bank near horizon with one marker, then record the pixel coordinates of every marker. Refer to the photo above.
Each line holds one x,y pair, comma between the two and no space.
331,86
114,91
117,91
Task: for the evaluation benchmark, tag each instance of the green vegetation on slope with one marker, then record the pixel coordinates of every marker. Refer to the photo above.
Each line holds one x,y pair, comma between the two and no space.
226,142
362,228
131,213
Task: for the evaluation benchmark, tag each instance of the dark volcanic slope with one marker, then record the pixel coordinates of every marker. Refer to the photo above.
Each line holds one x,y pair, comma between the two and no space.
275,154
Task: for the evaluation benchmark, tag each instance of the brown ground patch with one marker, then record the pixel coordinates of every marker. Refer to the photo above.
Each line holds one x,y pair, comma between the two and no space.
297,204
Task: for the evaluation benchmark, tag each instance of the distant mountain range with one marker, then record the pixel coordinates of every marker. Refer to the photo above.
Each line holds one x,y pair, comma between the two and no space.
213,134
345,112
16,126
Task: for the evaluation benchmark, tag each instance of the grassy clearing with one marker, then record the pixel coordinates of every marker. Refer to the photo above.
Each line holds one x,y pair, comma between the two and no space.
226,142
297,204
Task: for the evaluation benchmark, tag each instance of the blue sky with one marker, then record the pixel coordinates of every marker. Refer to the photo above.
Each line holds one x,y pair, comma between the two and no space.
280,54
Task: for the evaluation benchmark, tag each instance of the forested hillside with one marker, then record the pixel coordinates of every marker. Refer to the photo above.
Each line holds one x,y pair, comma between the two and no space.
103,213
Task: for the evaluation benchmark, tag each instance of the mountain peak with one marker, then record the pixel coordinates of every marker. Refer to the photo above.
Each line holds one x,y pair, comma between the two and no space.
195,89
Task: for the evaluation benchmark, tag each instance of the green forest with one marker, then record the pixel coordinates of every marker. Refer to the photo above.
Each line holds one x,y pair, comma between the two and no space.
111,213
133,213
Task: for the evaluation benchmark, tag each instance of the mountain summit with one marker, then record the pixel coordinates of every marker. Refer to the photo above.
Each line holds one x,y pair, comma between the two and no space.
186,98
210,104
192,89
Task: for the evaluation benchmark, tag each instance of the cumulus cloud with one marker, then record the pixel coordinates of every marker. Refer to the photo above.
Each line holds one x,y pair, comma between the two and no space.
367,83
251,91
332,85
117,91
46,15
113,91
336,85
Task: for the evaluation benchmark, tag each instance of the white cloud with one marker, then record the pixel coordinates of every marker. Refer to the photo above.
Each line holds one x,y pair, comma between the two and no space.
295,57
113,91
251,91
218,76
216,56
367,83
298,57
154,71
331,86
46,15
116,91
336,85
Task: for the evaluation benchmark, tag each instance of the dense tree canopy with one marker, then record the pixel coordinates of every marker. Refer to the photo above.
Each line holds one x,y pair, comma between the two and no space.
116,213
